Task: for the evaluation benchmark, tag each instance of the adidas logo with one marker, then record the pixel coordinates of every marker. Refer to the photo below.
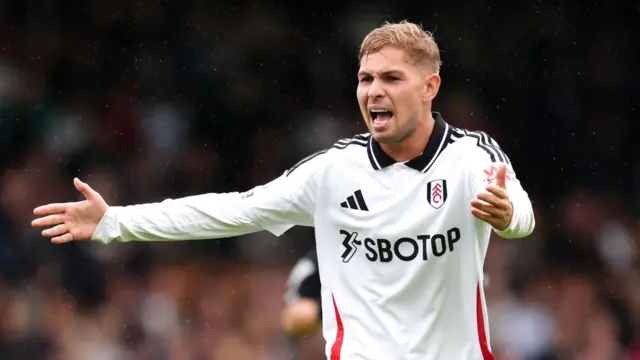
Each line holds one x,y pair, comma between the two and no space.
355,202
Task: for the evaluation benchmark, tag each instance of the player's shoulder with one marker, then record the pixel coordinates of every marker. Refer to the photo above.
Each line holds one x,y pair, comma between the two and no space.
344,149
476,143
355,143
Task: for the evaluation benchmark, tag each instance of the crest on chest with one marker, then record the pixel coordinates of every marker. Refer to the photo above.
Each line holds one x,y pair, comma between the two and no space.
437,193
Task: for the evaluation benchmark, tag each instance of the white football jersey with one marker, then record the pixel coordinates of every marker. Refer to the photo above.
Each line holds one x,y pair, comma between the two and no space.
400,254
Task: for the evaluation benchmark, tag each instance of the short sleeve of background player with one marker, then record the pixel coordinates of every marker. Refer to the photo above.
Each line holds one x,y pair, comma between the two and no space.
484,171
304,279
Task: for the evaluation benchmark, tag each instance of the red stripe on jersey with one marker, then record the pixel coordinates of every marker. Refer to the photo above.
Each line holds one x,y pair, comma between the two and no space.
482,334
337,345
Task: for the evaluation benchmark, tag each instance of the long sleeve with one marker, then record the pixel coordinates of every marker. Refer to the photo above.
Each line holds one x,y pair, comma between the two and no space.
277,206
523,220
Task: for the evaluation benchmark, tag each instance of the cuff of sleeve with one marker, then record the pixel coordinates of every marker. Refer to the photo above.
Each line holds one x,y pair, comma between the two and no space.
107,229
512,230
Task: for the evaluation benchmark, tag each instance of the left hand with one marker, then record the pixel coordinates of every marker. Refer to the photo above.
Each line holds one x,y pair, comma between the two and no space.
494,207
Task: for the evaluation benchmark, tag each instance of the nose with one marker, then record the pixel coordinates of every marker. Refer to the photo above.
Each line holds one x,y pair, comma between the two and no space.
375,89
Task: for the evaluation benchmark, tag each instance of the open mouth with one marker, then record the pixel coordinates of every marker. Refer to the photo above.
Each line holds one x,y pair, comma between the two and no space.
380,117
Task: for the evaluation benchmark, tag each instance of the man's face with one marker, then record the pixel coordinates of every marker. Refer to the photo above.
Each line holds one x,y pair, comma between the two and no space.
392,93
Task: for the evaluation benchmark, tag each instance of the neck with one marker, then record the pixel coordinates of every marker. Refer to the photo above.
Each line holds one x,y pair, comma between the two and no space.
414,144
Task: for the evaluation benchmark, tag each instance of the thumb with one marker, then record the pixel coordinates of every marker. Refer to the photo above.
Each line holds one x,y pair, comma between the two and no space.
84,189
501,177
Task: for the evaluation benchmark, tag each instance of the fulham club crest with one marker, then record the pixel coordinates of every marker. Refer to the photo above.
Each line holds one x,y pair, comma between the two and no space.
437,193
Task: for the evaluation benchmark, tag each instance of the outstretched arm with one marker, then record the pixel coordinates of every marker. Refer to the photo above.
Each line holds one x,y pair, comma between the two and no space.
286,201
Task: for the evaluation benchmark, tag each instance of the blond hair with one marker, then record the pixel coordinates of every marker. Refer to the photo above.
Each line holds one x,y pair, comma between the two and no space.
420,45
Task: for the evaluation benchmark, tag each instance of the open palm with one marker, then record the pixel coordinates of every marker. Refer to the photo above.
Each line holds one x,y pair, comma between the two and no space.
71,221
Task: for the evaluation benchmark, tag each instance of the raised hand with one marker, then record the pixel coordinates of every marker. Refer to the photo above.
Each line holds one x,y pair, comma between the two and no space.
494,207
74,220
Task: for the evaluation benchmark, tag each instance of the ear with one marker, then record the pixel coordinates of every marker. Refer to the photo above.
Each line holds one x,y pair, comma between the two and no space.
431,86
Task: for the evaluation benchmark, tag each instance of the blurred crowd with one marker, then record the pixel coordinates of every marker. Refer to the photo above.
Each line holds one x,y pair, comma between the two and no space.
146,100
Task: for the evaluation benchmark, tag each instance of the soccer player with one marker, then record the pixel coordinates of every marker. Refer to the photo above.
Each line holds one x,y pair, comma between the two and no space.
402,214
303,313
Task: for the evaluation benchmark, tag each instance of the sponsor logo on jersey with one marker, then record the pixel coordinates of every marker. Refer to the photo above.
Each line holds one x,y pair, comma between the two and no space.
420,247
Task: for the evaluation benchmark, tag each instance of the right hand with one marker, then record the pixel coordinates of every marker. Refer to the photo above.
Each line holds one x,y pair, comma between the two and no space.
71,221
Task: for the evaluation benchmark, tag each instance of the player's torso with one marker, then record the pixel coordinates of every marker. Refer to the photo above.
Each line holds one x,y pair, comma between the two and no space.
398,247
397,218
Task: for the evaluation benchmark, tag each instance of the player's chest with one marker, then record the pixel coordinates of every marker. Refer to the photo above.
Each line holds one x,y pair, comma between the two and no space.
397,197
397,213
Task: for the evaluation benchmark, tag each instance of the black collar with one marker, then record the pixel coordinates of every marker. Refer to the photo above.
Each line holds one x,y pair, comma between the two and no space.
379,159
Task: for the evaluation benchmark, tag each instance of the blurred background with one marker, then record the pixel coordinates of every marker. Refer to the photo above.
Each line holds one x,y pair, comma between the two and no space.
147,99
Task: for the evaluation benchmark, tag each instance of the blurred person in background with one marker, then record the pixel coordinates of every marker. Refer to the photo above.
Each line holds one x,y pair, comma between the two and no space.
302,315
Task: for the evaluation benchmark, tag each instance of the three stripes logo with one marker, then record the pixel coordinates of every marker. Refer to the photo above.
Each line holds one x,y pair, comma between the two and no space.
437,193
355,202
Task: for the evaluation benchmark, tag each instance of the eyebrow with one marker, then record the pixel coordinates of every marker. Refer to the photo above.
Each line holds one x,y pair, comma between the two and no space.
382,73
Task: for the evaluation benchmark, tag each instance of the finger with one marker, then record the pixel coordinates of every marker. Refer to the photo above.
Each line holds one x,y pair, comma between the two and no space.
50,209
492,199
55,231
484,216
48,220
487,208
498,191
84,189
64,238
501,177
